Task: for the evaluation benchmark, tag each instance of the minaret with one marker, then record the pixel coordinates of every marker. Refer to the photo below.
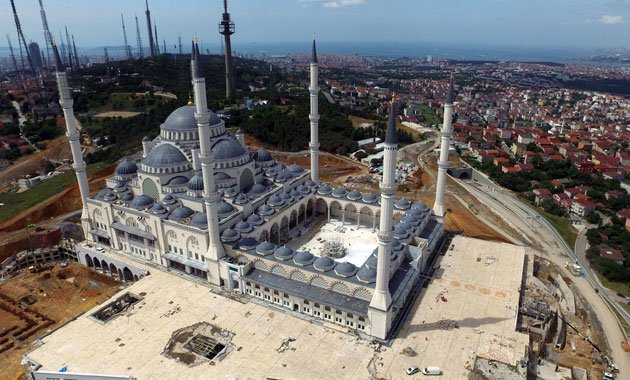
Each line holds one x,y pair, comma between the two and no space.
210,194
378,312
438,207
151,44
314,116
65,100
226,28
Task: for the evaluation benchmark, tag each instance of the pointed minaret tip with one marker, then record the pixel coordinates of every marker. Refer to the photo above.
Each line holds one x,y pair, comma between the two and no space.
391,136
314,52
58,62
450,97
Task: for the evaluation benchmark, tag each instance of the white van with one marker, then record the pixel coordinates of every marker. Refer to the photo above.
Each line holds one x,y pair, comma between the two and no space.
435,371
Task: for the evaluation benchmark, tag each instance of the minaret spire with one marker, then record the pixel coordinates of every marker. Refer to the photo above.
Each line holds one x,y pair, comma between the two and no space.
438,207
210,194
378,312
151,44
226,28
65,100
314,115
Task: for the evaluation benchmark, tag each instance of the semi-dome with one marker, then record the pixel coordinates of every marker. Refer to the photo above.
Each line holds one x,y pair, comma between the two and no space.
324,264
220,176
224,208
164,155
295,169
263,155
178,181
180,213
248,243
169,200
126,167
199,220
142,202
107,195
345,269
369,198
255,220
183,119
367,275
243,227
284,253
303,258
230,235
127,197
226,149
354,195
196,183
265,248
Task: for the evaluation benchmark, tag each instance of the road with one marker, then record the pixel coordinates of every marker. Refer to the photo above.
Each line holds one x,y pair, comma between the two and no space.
21,121
539,233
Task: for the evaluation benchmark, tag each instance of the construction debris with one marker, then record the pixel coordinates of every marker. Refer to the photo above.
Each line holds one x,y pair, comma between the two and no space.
285,344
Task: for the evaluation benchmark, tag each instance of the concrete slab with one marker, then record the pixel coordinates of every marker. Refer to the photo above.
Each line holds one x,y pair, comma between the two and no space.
481,297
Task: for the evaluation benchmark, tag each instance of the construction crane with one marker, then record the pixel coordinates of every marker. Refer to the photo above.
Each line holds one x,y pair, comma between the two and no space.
127,47
22,40
69,45
151,44
15,65
139,39
76,55
47,34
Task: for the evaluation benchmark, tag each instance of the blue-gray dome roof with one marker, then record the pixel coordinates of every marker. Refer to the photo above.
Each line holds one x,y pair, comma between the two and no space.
180,213
295,169
220,176
106,194
168,199
324,263
324,189
303,258
157,209
199,220
230,235
265,248
367,275
183,119
257,189
230,192
243,227
126,167
127,197
224,208
248,243
226,149
265,210
255,220
196,183
303,189
179,180
263,155
402,204
241,199
339,192
164,155
275,201
284,253
372,261
354,195
142,202
345,269
369,198
420,206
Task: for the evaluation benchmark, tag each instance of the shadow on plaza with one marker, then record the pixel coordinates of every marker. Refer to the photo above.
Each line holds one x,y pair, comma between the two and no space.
447,324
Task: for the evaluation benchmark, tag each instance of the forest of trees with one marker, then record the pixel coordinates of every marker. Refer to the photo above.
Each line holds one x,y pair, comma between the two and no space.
615,236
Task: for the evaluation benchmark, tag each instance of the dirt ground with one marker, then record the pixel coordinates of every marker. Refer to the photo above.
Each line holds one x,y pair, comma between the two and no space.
58,295
57,149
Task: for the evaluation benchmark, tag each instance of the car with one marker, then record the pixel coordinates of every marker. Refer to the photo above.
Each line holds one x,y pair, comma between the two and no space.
413,369
429,371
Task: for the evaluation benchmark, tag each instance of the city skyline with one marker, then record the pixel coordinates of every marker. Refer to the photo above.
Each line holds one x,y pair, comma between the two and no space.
566,23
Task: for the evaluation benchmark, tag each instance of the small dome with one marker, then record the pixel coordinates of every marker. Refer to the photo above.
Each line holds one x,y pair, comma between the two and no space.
397,245
164,155
420,206
400,233
324,264
284,176
265,248
412,220
406,226
142,202
372,261
255,220
107,195
270,172
226,149
230,192
230,235
284,253
120,186
370,198
345,269
275,201
196,183
199,220
263,155
241,199
157,209
257,189
224,208
295,169
169,200
303,190
310,183
286,197
265,210
248,243
367,275
127,197
179,180
354,195
126,167
243,227
295,194
324,189
415,212
180,213
303,258
402,204
220,176
339,192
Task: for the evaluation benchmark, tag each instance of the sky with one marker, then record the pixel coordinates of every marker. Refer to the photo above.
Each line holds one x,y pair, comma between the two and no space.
514,23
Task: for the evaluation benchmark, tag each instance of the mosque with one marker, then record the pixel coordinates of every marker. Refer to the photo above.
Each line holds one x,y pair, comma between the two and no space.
201,203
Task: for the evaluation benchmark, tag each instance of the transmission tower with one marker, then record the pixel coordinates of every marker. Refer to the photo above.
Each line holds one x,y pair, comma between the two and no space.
127,47
22,40
47,34
139,42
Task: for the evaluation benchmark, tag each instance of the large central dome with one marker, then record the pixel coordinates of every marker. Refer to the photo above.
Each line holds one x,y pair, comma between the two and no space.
183,119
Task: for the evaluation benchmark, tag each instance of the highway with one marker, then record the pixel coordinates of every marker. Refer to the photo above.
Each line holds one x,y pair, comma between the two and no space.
537,232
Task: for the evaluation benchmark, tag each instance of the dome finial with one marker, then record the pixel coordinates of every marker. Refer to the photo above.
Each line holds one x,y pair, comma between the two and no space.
190,99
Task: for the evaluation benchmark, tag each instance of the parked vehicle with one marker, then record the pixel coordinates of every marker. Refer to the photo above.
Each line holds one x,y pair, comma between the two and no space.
413,369
431,371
